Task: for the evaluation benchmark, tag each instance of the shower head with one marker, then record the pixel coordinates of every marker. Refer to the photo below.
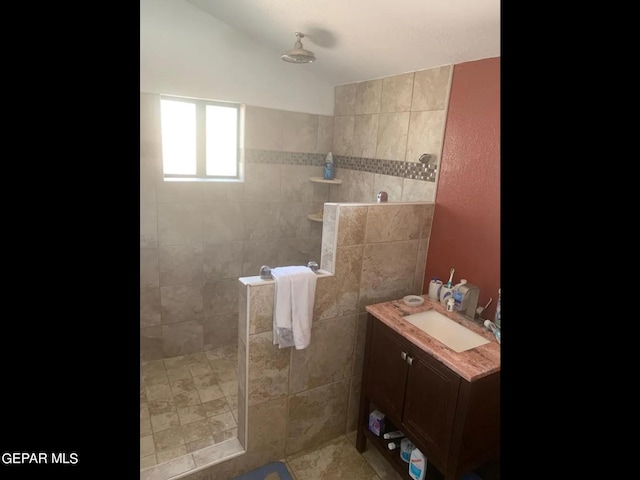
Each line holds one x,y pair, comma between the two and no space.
298,54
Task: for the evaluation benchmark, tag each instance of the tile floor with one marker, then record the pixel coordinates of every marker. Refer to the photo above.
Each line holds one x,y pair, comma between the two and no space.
187,403
338,459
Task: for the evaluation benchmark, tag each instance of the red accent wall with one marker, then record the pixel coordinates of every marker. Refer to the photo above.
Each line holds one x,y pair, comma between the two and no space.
465,234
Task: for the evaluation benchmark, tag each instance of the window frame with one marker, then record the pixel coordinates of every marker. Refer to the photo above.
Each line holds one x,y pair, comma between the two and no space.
201,139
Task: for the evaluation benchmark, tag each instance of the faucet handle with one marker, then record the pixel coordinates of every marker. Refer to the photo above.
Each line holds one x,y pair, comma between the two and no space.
382,196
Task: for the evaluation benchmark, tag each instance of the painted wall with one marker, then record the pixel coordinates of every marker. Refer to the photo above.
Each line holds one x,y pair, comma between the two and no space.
466,223
175,37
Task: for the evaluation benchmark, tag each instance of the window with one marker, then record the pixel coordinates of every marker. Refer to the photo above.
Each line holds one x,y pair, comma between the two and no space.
200,139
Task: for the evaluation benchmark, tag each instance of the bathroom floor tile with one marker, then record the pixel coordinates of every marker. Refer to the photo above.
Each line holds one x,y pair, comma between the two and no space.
147,446
216,407
148,461
169,438
223,422
196,430
163,421
171,453
191,413
179,373
208,394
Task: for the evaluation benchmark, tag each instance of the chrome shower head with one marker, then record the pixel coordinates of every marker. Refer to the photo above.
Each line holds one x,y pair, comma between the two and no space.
298,54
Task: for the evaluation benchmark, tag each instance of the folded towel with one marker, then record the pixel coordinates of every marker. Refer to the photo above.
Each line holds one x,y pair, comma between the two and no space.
293,306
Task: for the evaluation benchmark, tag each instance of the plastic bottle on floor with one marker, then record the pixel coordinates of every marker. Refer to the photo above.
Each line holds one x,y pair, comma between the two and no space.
417,465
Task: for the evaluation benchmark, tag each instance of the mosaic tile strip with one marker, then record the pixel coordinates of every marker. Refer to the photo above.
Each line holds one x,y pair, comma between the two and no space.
413,170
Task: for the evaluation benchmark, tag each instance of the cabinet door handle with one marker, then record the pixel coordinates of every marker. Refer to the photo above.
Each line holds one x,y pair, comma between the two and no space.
403,355
409,360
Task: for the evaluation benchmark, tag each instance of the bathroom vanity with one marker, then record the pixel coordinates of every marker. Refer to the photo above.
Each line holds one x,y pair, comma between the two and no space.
446,402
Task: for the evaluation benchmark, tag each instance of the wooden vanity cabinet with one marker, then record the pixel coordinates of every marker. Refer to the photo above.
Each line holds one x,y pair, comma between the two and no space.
455,423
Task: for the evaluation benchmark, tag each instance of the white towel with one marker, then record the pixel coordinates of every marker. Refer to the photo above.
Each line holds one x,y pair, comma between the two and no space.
295,291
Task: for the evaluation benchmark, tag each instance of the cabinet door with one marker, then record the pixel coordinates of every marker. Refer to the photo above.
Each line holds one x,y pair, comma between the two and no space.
430,405
387,370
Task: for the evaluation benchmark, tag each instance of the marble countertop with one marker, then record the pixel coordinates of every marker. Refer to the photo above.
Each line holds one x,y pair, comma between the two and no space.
470,365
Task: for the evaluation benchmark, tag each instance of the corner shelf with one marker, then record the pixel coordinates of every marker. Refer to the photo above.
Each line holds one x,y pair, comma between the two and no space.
335,181
316,217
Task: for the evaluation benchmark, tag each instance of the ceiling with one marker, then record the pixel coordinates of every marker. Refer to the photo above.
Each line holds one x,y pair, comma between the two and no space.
357,40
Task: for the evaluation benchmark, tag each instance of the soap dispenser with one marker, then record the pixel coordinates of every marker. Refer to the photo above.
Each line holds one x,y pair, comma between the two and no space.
328,167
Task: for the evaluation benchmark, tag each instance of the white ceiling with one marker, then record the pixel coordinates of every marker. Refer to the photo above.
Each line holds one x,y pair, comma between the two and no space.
357,40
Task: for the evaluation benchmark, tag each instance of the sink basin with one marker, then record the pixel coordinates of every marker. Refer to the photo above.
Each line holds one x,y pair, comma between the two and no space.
445,330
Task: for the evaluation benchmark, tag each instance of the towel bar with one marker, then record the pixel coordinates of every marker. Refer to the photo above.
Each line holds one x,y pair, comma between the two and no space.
265,271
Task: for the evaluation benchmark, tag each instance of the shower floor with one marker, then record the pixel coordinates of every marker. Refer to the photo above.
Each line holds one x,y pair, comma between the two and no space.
187,403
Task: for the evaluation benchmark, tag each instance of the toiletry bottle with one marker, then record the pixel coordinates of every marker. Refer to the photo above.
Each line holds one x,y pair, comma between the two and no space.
458,296
497,320
417,465
328,167
494,328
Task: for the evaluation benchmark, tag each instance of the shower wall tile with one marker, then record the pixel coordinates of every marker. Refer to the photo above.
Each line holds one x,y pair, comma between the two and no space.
293,221
317,415
262,182
328,358
222,260
421,264
353,220
149,271
320,190
263,128
181,303
182,338
392,136
220,297
365,134
299,131
368,95
151,343
426,130
220,331
338,295
431,89
360,187
269,430
262,221
179,192
257,253
261,314
221,192
220,225
329,231
345,99
418,191
426,212
180,264
343,135
390,184
390,223
396,93
148,180
325,134
358,354
354,404
149,307
179,223
148,225
384,280
295,251
294,183
268,369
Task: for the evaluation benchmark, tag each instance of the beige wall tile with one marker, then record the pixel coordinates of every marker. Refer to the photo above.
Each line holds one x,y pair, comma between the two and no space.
390,223
268,426
325,134
261,312
151,343
316,416
257,253
338,295
390,184
222,260
182,338
351,228
328,358
293,221
360,187
358,354
421,263
181,303
149,270
396,93
343,135
261,220
368,95
220,225
148,225
180,223
354,403
220,331
392,136
268,370
329,231
397,274
294,183
262,182
148,179
431,88
345,99
299,132
365,136
220,297
180,263
425,134
263,128
418,191
179,192
149,307
222,192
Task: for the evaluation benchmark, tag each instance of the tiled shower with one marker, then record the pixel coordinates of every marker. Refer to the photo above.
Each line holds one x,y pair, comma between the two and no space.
197,239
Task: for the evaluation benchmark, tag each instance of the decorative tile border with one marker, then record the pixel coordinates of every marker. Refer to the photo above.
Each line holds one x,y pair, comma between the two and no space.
416,171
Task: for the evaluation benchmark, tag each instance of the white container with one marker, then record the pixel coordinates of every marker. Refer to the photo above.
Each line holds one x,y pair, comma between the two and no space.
406,447
417,465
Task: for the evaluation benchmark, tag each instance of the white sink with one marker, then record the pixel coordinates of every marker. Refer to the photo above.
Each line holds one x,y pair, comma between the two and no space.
445,330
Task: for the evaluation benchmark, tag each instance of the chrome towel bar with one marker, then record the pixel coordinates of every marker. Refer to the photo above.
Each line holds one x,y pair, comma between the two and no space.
265,271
